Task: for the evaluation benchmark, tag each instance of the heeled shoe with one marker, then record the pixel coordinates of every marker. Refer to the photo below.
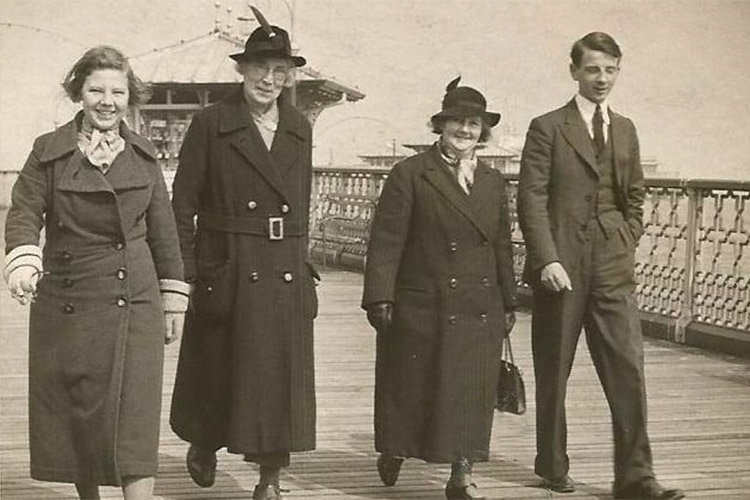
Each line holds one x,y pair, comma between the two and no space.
202,466
389,468
467,492
267,492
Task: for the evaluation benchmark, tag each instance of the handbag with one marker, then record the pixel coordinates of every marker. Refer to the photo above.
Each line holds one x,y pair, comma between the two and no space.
511,392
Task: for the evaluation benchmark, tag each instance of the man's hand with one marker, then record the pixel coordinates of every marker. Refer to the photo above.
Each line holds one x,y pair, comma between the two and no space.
380,315
555,278
510,322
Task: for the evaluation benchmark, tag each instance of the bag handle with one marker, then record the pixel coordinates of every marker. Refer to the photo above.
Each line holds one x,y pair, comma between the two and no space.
507,349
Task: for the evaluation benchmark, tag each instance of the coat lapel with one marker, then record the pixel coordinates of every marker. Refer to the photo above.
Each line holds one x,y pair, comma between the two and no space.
577,135
482,194
235,119
285,147
440,179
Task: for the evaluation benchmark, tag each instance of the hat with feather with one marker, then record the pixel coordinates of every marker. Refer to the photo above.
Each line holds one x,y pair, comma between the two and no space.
268,41
461,102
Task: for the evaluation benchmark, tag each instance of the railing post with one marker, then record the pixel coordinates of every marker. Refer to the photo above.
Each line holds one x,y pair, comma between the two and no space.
691,244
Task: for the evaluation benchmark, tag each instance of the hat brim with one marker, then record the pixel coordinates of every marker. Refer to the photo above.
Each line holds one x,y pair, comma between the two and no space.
490,117
298,61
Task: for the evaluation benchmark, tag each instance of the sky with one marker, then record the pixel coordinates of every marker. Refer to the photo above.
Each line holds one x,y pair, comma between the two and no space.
685,80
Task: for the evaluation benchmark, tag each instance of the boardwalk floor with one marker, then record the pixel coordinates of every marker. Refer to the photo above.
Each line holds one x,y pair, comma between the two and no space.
699,410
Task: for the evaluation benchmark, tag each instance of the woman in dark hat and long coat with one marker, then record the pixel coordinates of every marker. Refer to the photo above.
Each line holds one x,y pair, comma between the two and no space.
439,289
97,325
245,374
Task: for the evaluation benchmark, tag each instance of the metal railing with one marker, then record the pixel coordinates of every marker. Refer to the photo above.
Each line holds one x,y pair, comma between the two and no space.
692,263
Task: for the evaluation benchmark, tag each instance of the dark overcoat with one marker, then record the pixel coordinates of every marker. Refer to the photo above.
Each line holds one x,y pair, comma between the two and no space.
96,343
444,259
245,374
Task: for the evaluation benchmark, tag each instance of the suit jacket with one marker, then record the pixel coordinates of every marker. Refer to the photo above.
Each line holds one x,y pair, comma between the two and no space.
559,181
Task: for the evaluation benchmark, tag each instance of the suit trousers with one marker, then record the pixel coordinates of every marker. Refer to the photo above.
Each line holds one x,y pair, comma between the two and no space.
602,303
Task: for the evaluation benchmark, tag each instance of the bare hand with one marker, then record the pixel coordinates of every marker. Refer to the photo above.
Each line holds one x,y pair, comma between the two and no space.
555,278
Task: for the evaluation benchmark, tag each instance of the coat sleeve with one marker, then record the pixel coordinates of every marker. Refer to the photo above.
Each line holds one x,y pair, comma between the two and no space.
162,232
533,195
504,250
186,189
388,236
28,204
635,191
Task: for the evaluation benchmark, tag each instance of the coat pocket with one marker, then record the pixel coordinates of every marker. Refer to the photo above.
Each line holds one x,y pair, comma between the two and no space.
214,289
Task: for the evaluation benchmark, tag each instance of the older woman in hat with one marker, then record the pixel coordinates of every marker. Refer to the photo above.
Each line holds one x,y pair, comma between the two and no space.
241,199
439,289
97,324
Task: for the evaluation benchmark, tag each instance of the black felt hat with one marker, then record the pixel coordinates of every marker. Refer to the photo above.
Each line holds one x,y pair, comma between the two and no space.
268,41
460,102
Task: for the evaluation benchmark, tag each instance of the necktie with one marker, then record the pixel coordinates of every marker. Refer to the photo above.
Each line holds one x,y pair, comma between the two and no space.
598,124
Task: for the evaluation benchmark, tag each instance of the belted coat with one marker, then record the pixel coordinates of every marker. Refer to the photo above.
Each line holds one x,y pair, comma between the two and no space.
245,378
96,340
444,258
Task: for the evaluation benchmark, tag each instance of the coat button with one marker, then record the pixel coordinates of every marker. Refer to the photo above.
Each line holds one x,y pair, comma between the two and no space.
452,319
61,224
284,208
453,283
68,308
67,256
453,246
67,283
288,277
483,318
584,227
485,242
118,245
122,302
254,276
252,205
485,281
122,273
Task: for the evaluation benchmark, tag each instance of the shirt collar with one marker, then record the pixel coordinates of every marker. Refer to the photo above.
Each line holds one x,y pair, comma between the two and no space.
588,108
269,119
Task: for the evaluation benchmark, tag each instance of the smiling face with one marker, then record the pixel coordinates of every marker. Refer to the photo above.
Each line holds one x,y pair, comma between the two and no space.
461,135
264,79
596,74
104,97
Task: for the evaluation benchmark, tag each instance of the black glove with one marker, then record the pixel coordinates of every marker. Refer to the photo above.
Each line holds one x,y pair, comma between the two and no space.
380,315
510,321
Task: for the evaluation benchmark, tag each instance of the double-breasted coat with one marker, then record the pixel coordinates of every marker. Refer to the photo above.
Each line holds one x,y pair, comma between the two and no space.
96,342
245,378
444,258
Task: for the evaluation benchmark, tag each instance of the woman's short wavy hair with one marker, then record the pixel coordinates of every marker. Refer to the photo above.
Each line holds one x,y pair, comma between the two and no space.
104,57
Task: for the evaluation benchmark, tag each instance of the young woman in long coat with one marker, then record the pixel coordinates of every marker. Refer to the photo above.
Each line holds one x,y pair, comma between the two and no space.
439,289
245,375
97,327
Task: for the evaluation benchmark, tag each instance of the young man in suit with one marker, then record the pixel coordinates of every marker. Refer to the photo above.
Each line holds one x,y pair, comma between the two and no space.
580,207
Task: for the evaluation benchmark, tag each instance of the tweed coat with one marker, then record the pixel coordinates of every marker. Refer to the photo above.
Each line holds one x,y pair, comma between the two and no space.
96,342
559,182
245,378
445,260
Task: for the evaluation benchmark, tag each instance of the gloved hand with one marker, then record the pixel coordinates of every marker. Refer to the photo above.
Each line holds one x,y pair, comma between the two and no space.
22,268
510,322
380,315
175,295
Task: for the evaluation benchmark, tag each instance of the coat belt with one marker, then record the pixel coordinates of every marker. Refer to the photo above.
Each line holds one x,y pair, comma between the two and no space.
258,226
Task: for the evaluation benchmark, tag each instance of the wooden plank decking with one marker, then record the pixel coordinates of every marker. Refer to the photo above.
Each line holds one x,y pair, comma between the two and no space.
699,408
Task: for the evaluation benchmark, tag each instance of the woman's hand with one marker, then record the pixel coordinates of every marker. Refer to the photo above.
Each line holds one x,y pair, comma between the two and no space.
22,268
175,295
510,322
380,315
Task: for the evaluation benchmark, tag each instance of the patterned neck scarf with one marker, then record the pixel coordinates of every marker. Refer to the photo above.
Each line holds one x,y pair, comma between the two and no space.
462,169
101,147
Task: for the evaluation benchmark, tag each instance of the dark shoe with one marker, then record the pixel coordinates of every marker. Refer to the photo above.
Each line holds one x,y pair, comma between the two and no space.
202,466
267,492
388,468
649,490
563,484
468,492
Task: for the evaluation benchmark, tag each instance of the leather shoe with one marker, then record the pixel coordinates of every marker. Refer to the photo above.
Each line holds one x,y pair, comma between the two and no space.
468,492
562,484
202,466
267,492
648,490
388,468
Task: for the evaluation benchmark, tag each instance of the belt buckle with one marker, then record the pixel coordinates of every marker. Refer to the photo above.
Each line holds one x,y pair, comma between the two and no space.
275,228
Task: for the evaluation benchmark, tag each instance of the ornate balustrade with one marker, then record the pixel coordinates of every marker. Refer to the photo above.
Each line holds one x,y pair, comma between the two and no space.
692,263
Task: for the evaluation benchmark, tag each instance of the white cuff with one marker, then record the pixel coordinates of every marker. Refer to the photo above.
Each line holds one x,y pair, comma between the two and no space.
24,255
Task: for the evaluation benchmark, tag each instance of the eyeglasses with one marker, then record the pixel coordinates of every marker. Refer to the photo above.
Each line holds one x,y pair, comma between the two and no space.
259,70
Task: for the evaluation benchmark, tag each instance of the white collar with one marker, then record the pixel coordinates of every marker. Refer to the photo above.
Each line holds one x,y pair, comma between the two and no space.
588,108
